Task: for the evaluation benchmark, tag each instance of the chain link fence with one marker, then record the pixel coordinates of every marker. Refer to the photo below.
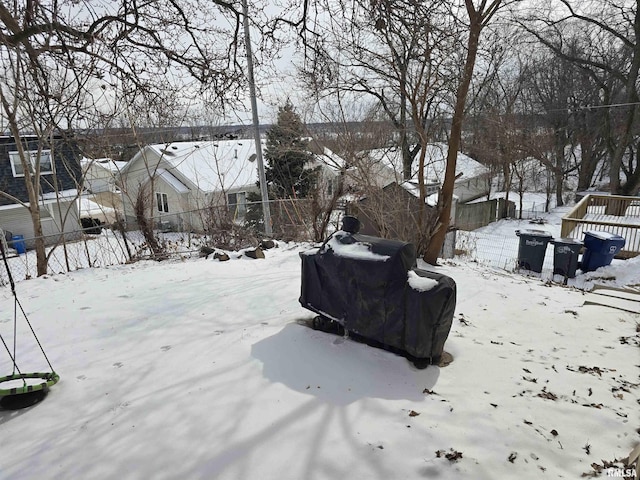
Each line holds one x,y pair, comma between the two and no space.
498,250
232,227
229,228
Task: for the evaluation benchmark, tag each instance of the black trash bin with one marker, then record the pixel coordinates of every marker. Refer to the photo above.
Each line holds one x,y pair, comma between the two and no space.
371,287
532,249
565,256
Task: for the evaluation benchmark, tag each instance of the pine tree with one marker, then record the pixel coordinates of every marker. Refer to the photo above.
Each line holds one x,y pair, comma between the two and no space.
287,170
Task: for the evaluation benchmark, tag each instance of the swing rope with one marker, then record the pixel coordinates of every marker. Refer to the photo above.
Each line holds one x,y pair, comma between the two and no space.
50,378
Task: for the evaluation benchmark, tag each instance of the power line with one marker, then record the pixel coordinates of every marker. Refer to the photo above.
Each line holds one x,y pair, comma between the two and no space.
594,107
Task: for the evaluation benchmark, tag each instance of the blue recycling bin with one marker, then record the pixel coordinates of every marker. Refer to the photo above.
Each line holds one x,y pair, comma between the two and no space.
599,249
17,242
532,249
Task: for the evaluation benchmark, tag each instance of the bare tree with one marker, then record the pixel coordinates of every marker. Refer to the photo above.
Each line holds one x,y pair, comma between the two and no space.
397,57
58,58
498,123
478,17
38,142
609,30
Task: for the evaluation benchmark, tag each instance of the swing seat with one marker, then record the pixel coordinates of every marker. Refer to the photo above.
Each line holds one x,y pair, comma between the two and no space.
50,378
30,393
23,400
26,395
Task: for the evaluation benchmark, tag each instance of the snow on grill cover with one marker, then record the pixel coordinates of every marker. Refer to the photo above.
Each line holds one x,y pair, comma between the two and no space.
371,287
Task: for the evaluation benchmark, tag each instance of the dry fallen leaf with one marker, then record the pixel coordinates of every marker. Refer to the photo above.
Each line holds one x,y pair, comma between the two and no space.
453,456
547,395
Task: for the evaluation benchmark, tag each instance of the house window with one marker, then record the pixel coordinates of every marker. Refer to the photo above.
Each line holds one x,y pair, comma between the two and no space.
46,163
163,202
237,204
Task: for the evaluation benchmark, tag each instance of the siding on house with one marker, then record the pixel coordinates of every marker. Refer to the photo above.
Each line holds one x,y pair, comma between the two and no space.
193,175
196,176
56,215
385,166
17,220
177,201
67,168
99,175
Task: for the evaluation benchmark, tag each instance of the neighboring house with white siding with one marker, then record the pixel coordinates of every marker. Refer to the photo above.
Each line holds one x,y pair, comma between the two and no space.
179,180
472,178
183,182
99,175
101,198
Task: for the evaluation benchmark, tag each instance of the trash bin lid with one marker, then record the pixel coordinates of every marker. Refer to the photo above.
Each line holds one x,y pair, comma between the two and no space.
601,235
566,241
534,233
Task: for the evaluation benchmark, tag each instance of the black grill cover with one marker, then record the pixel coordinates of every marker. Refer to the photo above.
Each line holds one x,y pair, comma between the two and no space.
362,282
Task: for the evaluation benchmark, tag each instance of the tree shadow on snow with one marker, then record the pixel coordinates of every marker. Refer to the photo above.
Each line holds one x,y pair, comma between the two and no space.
337,369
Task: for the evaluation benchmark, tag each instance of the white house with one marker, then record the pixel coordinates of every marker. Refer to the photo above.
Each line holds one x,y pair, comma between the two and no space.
385,167
101,196
182,181
100,174
332,167
177,181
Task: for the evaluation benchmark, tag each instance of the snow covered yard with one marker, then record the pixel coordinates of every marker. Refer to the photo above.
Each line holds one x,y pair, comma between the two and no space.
200,369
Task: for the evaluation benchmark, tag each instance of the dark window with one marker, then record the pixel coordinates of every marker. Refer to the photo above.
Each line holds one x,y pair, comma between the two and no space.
163,202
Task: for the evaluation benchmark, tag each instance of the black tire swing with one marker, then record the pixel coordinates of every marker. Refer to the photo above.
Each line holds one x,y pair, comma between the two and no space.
27,394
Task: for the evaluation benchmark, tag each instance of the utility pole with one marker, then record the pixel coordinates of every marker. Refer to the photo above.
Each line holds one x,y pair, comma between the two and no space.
266,212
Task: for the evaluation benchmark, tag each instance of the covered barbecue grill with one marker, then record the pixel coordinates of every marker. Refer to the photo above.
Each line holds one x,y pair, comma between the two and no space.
371,287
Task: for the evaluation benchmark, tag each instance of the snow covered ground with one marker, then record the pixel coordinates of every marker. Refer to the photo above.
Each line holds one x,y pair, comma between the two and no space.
199,369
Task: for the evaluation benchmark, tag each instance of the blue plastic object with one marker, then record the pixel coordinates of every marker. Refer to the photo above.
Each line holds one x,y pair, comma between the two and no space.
599,249
17,241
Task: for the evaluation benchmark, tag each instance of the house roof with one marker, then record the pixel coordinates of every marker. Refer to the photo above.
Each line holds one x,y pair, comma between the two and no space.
435,163
331,160
215,165
70,193
177,185
109,164
414,189
211,166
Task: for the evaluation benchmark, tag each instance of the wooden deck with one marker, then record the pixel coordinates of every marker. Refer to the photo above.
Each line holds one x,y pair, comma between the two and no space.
606,213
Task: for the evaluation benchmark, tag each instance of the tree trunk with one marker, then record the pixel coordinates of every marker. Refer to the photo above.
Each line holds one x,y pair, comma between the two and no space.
559,178
41,254
446,193
32,184
631,99
588,165
407,158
